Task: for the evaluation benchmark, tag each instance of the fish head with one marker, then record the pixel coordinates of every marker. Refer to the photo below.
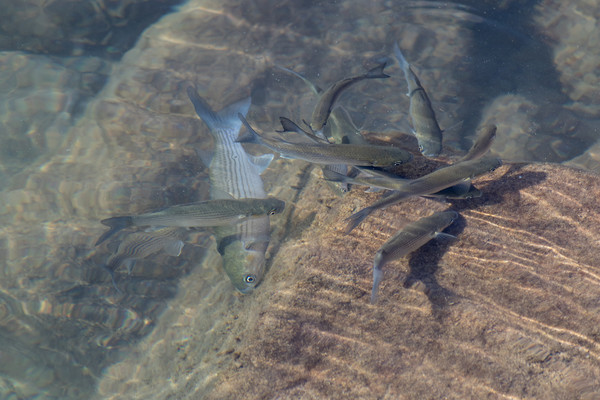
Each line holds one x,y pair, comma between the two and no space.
274,206
244,264
395,157
488,164
429,148
446,218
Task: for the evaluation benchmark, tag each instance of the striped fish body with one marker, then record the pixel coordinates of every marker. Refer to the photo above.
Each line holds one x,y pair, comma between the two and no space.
142,244
234,172
221,212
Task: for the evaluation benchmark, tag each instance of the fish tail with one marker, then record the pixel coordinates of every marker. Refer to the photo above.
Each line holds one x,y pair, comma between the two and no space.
377,277
400,57
377,72
221,119
289,126
312,86
355,219
250,136
330,174
111,272
115,224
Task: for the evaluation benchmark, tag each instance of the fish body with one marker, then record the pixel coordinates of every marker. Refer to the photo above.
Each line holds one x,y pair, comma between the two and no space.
462,190
431,183
342,129
220,212
328,97
483,141
321,153
237,174
143,244
424,122
408,239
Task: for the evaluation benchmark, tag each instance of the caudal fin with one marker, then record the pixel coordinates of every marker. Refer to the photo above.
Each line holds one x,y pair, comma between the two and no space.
250,136
355,219
377,72
377,277
400,57
224,119
115,224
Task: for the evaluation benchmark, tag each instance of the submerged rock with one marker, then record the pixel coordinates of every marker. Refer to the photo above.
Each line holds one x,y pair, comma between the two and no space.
510,308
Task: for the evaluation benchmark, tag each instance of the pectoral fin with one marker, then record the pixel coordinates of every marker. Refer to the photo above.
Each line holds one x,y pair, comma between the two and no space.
173,247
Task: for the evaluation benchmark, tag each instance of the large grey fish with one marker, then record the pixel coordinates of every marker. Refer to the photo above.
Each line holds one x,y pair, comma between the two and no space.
321,153
329,96
482,143
236,173
142,244
407,240
219,212
431,183
425,125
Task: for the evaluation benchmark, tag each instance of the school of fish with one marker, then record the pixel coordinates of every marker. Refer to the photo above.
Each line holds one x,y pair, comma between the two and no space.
238,210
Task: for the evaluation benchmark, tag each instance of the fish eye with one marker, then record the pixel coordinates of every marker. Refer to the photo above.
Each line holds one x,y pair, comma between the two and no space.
396,163
421,148
250,278
272,211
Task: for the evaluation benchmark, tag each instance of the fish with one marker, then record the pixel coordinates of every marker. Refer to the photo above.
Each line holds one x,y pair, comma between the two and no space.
425,125
219,212
431,183
341,120
321,153
411,237
482,143
342,129
328,98
142,244
235,173
462,190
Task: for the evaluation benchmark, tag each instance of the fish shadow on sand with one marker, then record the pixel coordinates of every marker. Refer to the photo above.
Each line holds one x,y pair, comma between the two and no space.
424,262
502,189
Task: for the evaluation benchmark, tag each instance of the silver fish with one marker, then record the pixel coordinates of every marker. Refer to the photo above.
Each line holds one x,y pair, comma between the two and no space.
329,96
483,141
142,244
321,153
236,173
462,190
219,212
408,239
425,125
330,171
342,129
431,183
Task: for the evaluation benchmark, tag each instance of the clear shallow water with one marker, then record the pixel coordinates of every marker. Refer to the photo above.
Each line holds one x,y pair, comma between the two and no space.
86,136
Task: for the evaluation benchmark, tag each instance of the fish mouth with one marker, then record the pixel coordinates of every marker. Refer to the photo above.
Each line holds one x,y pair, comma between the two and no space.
246,290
